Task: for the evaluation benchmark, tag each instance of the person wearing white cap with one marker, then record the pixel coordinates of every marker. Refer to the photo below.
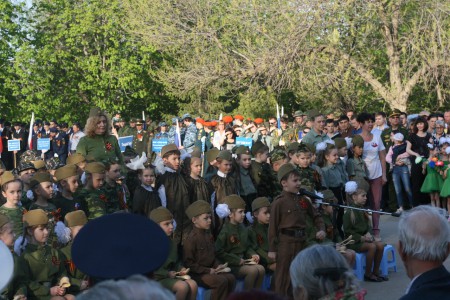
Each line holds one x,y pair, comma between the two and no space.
398,158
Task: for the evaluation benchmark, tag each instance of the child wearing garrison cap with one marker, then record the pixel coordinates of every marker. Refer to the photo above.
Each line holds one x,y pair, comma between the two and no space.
26,170
46,275
12,191
288,226
259,230
176,281
177,192
199,253
233,245
16,288
77,160
223,184
66,232
97,203
210,159
247,189
68,201
42,187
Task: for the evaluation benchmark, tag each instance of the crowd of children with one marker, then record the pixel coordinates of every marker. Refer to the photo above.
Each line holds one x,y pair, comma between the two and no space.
200,199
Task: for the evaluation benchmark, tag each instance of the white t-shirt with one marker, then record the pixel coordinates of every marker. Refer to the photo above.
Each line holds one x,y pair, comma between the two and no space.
371,156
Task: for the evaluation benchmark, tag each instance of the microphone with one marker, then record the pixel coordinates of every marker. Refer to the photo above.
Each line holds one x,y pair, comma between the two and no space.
303,192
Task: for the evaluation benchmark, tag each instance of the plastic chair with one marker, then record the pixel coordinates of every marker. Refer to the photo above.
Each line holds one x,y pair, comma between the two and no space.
203,294
266,282
388,261
360,265
239,285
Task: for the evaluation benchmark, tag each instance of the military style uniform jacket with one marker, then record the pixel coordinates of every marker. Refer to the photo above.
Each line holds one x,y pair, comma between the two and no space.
171,263
386,135
313,177
97,203
17,285
200,189
44,267
140,141
358,229
289,213
100,147
260,242
223,186
232,244
145,200
199,252
15,215
59,146
264,180
75,275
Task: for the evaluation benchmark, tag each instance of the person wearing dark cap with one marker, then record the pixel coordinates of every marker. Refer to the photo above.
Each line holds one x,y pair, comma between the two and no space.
199,253
59,146
316,134
25,170
278,157
210,160
98,142
258,231
140,138
287,226
20,134
284,136
167,274
162,134
46,275
261,171
233,245
73,222
177,192
190,135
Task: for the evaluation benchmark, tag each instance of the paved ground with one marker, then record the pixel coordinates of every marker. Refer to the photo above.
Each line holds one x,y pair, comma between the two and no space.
396,286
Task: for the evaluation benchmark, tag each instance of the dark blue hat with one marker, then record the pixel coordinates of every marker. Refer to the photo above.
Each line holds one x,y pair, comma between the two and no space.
54,129
47,123
119,245
163,124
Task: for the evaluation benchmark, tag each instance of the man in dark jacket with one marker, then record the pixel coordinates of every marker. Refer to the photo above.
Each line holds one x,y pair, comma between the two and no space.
424,246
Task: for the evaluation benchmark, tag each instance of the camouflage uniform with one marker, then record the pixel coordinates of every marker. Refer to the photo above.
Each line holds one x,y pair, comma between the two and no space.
190,136
97,203
312,177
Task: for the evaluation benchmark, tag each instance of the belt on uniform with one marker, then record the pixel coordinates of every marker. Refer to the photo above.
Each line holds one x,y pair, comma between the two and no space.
297,233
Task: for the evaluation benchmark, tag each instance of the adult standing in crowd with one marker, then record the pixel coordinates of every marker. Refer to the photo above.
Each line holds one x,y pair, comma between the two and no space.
424,244
316,134
219,136
98,142
75,137
374,156
417,146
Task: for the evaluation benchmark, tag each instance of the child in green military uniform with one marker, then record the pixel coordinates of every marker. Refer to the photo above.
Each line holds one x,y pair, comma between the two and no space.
261,171
115,191
77,160
303,163
199,253
67,178
200,189
259,230
166,274
16,288
356,224
12,191
244,176
288,226
74,221
47,277
356,167
233,245
97,203
177,192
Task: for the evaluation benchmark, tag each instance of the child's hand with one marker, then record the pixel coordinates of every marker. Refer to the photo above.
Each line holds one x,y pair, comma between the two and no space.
320,235
20,297
272,255
255,258
183,271
57,291
241,262
212,271
172,274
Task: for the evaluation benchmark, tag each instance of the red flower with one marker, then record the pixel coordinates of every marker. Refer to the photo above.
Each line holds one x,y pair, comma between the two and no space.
303,204
103,198
139,136
108,146
234,240
260,239
56,215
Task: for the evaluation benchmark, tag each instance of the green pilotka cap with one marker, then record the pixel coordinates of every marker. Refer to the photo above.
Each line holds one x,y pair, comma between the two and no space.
75,218
95,168
65,172
40,178
6,177
328,196
35,217
340,142
160,214
260,202
285,170
242,150
75,159
224,154
212,154
234,202
198,208
168,148
357,140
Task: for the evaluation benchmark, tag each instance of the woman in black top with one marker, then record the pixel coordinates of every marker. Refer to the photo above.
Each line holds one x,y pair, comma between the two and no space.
417,147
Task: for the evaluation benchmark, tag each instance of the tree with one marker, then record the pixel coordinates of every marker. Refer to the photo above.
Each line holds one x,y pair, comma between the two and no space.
80,55
350,53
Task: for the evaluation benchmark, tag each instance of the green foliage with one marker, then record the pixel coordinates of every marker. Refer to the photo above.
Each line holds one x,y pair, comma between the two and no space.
80,55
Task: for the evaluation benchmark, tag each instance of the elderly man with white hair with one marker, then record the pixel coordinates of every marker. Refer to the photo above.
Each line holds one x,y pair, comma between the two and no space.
424,245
